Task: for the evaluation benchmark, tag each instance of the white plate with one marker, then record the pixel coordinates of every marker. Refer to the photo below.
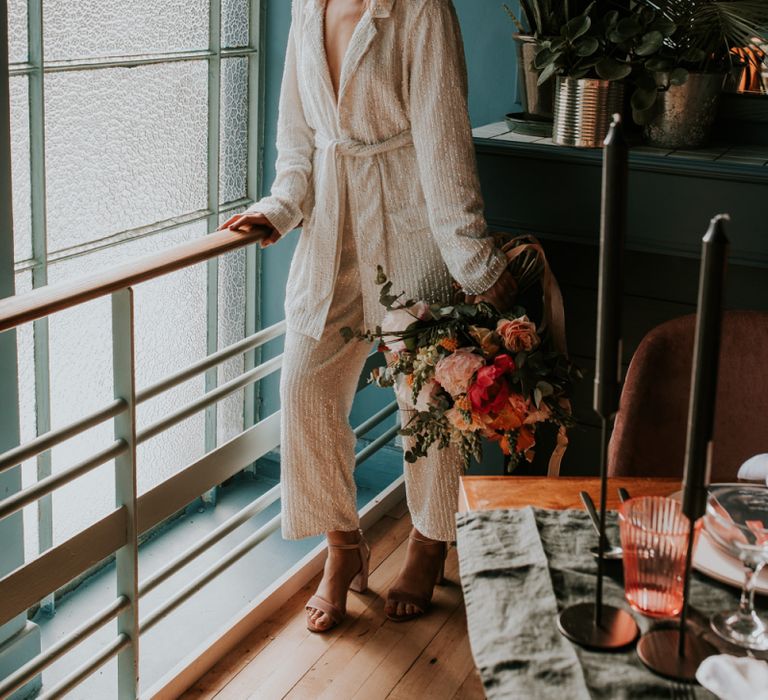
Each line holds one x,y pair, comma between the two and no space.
711,560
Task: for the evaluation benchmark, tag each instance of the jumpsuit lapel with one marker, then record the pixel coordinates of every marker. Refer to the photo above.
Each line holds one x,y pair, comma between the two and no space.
314,31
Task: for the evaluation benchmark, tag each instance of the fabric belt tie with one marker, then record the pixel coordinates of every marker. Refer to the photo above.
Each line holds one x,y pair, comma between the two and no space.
330,196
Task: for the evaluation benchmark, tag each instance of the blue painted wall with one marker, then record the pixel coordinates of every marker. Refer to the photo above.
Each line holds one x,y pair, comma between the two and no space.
491,66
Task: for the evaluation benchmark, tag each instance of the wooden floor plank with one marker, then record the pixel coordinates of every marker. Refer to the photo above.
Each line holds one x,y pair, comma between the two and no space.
442,667
416,636
367,657
302,647
471,688
313,646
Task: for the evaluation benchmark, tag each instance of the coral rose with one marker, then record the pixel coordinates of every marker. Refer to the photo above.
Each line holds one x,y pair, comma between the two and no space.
455,371
518,334
490,391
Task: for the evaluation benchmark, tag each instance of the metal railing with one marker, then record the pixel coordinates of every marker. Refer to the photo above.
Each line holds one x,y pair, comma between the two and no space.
118,533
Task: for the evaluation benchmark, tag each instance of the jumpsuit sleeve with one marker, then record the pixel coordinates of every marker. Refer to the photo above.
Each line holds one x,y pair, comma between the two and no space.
295,148
444,148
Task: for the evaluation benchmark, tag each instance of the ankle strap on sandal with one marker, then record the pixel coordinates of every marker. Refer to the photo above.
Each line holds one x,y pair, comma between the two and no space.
424,540
355,545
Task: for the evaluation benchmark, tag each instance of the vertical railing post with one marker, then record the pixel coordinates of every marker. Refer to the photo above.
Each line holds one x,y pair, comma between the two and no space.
254,182
40,269
123,359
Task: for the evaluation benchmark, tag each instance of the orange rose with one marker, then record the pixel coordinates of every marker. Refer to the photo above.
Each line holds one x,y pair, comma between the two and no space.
518,334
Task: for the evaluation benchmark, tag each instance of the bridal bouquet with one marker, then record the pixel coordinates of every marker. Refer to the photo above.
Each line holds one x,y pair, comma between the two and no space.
470,372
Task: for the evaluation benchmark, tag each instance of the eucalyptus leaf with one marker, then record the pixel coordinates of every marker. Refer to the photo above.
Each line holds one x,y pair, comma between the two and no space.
576,27
611,18
628,28
693,55
587,46
643,99
678,76
610,69
547,73
650,43
658,64
666,26
542,58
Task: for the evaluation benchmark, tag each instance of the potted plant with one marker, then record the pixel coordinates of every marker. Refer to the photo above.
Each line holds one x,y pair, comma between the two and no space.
589,66
538,19
678,85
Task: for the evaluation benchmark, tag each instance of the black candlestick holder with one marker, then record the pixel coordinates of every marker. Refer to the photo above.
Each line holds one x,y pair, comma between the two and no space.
676,653
595,625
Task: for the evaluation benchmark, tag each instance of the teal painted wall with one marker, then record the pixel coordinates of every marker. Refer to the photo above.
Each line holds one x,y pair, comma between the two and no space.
490,55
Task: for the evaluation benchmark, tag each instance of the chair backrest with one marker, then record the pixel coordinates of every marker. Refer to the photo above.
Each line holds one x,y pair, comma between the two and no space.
650,430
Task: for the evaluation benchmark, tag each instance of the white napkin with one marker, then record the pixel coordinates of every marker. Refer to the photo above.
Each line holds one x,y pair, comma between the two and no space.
755,469
734,677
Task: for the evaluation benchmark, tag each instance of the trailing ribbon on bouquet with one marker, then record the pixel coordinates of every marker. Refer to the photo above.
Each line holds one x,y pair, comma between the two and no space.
554,321
554,313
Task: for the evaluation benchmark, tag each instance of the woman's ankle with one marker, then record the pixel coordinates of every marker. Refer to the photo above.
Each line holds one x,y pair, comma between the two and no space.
343,536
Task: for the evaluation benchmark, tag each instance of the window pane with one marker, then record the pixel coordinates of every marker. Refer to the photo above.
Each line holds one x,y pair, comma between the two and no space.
234,128
231,329
17,31
234,23
22,241
170,333
94,28
125,147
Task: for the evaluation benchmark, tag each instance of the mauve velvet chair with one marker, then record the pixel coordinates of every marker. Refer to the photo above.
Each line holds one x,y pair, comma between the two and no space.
649,436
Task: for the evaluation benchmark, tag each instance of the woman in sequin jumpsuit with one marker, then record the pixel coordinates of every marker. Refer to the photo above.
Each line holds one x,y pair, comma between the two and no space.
376,164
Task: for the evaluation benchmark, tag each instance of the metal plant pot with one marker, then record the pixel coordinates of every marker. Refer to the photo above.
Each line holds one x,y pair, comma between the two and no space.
583,110
537,99
683,114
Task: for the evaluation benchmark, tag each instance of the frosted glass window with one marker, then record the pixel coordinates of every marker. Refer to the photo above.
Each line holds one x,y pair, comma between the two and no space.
234,23
231,313
17,31
125,147
97,28
81,373
234,129
22,239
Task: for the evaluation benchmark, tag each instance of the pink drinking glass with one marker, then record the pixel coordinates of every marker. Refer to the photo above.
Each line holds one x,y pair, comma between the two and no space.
654,537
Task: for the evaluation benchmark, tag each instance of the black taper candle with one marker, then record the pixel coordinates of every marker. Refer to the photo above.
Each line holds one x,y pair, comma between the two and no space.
701,412
613,231
613,226
595,625
656,648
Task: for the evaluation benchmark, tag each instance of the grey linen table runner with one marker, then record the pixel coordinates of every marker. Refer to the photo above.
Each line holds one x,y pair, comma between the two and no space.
518,569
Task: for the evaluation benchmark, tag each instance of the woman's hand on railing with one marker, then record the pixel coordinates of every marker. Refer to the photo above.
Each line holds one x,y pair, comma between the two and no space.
244,223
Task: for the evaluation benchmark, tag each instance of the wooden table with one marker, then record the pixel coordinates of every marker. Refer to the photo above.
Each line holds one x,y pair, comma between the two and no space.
556,493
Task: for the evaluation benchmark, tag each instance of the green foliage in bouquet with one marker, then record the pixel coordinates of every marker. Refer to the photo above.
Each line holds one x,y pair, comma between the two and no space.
468,371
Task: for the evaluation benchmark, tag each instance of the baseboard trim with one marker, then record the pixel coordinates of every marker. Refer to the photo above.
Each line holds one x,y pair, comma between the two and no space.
226,638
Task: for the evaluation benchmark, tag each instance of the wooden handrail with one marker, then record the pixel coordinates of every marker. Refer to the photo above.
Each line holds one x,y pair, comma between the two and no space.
44,301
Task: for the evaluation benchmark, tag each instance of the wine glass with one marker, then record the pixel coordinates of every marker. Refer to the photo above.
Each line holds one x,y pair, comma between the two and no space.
737,520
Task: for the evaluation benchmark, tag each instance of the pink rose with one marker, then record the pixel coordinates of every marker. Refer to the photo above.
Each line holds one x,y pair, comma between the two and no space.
518,334
455,371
